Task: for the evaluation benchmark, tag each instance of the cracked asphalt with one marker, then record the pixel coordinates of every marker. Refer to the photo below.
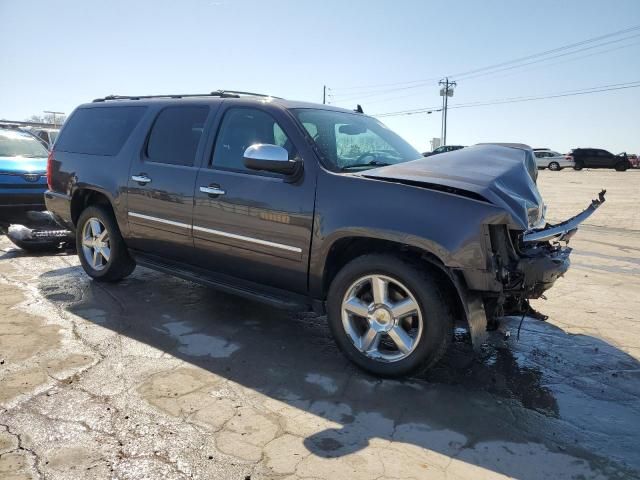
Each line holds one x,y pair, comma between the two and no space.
158,378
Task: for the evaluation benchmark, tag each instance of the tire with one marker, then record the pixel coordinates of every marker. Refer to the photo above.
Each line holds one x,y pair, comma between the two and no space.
621,166
555,166
118,263
430,327
579,165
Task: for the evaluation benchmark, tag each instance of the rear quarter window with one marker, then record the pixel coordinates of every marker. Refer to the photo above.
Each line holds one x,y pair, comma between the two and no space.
99,130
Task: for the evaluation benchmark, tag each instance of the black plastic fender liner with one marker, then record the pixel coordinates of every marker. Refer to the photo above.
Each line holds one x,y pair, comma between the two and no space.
472,304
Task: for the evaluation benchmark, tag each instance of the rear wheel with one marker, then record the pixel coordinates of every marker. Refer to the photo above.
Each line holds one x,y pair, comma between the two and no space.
579,165
102,251
388,316
554,166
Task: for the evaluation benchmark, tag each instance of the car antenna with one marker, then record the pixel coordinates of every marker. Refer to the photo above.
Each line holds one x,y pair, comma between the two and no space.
359,109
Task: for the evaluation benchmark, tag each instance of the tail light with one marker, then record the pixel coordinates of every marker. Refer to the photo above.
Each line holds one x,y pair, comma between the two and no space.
50,160
568,157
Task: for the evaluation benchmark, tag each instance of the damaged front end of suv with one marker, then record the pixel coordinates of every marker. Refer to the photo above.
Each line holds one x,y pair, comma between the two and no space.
498,241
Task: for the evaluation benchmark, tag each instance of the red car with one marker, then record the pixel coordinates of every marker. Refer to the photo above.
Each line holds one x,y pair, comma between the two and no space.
634,160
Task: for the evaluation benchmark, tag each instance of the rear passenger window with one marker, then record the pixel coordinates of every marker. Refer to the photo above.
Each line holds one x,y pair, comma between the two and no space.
99,130
175,135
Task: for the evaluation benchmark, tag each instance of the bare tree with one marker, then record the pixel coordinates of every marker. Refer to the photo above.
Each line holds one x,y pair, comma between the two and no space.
47,118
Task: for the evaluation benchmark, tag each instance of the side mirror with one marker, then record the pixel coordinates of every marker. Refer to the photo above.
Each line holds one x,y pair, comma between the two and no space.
269,158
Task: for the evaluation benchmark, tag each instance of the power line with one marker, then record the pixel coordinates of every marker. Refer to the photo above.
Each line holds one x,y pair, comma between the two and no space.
556,63
376,90
549,58
553,50
491,73
569,93
376,93
499,74
379,85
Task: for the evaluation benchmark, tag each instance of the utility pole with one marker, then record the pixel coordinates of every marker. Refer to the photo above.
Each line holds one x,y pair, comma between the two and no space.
324,94
54,115
445,92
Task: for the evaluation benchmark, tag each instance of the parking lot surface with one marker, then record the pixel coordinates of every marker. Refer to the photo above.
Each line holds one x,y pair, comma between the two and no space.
158,378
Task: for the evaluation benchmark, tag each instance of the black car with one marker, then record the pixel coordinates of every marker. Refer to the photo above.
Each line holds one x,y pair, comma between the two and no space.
443,149
598,158
308,206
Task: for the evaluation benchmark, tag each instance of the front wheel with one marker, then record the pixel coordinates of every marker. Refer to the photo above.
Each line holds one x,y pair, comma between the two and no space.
579,165
102,251
555,166
621,167
387,316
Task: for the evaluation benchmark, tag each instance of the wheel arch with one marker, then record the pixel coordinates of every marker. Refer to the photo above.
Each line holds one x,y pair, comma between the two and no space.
345,249
85,197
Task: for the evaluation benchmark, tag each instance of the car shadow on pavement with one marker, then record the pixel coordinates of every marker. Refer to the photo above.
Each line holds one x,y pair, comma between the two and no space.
553,393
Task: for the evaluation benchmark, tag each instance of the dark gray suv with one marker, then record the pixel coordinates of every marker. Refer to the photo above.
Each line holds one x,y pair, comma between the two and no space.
309,206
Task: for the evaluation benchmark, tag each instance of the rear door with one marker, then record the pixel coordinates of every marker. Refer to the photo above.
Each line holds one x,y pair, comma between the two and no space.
161,182
258,227
606,159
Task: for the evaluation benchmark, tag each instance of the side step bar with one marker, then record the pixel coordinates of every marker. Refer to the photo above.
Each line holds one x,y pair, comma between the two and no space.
293,302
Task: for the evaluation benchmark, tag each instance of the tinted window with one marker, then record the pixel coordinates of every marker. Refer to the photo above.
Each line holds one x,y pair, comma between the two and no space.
175,135
99,130
241,128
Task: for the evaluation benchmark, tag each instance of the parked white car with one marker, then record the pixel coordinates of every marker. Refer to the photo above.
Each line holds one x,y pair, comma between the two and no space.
546,158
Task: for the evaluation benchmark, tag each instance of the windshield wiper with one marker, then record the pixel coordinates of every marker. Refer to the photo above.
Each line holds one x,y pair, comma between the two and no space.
373,163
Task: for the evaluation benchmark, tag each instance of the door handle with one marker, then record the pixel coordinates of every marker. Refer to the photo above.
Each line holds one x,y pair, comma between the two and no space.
142,178
212,190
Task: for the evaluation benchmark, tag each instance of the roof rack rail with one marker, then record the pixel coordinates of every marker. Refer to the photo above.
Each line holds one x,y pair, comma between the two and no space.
217,93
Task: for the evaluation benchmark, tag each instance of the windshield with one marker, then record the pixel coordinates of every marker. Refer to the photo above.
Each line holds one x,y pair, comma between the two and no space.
352,141
19,144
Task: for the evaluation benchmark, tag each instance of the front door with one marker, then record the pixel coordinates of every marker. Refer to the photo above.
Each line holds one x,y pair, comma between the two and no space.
161,183
255,226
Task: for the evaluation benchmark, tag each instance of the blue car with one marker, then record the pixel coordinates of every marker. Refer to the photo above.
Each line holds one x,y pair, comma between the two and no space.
23,181
23,177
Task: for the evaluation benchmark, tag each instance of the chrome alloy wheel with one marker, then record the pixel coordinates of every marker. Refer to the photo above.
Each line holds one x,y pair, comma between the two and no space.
382,318
96,247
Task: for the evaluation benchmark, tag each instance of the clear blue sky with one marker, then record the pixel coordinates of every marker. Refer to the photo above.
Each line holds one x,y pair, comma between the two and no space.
58,54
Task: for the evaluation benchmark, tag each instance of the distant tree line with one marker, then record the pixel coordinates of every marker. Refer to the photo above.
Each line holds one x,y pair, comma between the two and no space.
47,118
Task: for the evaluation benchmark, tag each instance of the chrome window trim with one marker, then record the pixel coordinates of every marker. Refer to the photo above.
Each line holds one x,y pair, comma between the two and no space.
220,233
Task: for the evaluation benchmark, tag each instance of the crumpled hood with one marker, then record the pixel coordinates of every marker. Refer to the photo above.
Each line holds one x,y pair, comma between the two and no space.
496,174
23,165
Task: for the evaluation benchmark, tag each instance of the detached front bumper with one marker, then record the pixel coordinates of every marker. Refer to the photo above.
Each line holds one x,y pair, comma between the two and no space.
529,263
565,230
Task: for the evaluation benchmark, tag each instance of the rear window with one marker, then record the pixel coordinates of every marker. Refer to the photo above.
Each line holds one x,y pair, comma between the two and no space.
99,130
